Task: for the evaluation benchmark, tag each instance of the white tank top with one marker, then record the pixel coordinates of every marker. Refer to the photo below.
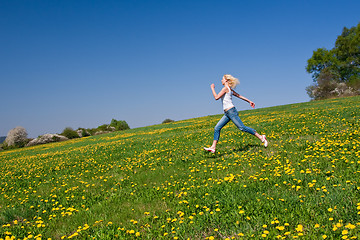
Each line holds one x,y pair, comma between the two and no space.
227,100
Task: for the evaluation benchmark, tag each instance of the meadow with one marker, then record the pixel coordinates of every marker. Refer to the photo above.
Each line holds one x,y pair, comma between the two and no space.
157,182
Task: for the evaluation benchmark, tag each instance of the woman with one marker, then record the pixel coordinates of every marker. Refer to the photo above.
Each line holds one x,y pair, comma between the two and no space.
230,112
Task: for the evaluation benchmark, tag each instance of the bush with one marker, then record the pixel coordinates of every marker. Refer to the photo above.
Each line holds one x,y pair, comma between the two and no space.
84,133
16,137
70,133
91,131
329,86
119,125
103,128
168,120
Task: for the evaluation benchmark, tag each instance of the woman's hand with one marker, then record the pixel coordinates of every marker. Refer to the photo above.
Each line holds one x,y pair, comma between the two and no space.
252,104
212,86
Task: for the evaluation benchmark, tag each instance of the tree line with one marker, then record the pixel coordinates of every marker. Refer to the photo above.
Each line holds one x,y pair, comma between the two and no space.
18,137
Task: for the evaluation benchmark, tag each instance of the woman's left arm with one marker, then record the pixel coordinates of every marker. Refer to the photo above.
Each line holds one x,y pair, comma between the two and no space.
252,104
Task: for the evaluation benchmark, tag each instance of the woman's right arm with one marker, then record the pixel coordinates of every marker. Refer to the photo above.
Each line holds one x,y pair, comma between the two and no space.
220,94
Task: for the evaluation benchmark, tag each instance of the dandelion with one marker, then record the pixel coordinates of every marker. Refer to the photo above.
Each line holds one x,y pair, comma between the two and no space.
280,228
299,228
350,226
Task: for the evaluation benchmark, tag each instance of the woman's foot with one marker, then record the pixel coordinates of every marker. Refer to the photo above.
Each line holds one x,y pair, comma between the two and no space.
212,150
264,140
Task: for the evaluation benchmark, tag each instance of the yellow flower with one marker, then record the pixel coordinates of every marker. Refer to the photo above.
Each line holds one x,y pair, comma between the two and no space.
350,226
280,228
299,228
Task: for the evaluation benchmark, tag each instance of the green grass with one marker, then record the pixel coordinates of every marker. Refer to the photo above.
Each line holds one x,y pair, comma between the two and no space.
157,182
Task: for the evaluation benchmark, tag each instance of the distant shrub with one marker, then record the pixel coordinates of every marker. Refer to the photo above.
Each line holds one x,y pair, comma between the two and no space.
91,131
85,133
103,128
16,137
5,146
168,121
119,125
328,85
70,133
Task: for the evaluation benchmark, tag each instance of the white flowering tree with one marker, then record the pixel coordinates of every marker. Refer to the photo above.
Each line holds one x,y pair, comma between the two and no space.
16,137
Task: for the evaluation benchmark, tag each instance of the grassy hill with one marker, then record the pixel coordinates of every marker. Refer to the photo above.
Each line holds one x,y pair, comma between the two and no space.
156,182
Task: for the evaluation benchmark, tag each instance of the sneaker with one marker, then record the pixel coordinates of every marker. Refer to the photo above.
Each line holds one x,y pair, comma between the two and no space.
210,149
264,141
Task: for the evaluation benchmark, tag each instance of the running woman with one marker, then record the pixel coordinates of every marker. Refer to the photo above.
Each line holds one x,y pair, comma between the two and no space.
230,112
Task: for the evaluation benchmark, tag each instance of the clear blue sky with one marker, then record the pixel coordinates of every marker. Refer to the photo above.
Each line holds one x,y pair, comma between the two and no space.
81,63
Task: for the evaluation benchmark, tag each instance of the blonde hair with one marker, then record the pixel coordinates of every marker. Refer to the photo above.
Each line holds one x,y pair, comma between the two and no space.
233,82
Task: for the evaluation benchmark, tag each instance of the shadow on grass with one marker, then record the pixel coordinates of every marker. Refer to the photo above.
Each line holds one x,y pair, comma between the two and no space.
246,147
220,153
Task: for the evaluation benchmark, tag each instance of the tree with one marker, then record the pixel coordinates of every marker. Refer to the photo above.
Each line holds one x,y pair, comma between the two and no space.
70,133
347,49
320,60
342,63
119,125
16,137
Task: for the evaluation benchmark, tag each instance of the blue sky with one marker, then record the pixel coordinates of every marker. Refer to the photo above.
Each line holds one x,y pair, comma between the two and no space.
82,63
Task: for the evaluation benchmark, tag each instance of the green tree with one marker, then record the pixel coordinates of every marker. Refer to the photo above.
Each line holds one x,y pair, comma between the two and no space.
321,59
70,133
342,62
347,50
119,125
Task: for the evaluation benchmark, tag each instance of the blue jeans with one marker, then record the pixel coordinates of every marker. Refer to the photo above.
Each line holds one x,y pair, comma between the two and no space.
232,115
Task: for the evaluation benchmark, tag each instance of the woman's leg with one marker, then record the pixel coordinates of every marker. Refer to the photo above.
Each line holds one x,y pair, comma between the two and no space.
222,122
237,121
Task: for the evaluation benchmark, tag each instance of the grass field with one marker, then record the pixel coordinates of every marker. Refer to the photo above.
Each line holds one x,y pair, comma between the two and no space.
157,182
